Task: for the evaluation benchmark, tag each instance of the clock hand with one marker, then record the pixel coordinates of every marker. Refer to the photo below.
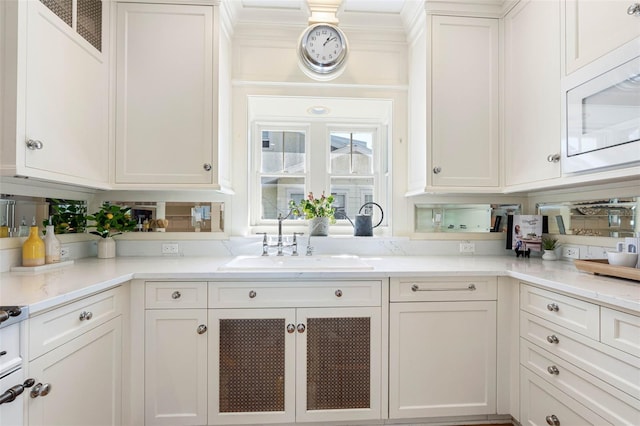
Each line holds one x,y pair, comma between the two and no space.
329,39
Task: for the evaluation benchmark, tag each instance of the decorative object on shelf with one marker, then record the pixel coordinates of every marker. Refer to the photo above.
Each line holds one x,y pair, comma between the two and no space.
549,245
322,51
363,226
33,248
51,244
319,211
111,220
524,233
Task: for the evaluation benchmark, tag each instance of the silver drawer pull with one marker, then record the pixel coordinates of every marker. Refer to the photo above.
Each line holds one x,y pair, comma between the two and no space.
338,293
553,370
252,294
202,328
552,420
470,287
301,328
553,307
176,295
291,328
84,315
40,390
553,339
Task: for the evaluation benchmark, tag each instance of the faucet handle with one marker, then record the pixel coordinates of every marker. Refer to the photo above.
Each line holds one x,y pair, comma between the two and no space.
265,245
294,252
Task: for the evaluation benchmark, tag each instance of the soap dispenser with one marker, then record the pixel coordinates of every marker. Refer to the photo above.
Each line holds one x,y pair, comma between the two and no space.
23,230
51,245
33,248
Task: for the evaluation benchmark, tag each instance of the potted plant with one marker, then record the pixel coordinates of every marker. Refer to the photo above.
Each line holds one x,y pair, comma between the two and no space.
549,245
319,212
110,220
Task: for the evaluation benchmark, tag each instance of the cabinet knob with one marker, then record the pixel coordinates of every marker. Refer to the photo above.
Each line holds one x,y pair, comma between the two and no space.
553,370
301,328
176,295
338,293
634,9
85,315
252,294
553,307
40,390
552,420
202,329
553,339
207,167
34,144
437,170
553,158
291,328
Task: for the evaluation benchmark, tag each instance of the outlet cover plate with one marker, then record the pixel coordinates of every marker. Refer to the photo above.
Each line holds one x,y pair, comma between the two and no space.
170,248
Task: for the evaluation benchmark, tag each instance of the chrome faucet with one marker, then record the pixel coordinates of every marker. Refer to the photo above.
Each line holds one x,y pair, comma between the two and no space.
280,244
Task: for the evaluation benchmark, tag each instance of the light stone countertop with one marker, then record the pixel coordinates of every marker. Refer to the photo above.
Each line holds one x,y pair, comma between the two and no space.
44,290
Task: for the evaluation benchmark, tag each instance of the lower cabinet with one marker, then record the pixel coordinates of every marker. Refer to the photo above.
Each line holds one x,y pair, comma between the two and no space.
79,383
442,354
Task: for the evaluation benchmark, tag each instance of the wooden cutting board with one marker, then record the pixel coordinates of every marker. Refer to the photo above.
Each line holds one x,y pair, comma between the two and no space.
602,267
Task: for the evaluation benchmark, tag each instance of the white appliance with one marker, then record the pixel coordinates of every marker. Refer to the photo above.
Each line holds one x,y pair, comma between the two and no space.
603,120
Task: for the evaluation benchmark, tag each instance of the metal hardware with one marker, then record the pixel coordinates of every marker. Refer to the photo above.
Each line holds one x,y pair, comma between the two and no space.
265,244
338,293
85,315
3,353
207,167
470,287
176,295
634,9
252,294
553,307
40,390
553,158
553,339
294,244
553,370
202,329
291,328
437,170
34,144
552,420
301,328
10,394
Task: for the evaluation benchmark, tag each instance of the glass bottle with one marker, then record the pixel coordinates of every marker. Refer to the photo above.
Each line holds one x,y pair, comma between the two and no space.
23,230
33,249
51,245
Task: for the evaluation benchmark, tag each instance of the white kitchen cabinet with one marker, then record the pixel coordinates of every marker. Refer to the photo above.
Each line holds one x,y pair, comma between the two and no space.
79,383
463,115
55,91
166,95
293,364
532,93
442,354
594,28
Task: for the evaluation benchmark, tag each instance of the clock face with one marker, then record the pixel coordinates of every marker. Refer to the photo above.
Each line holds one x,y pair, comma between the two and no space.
323,48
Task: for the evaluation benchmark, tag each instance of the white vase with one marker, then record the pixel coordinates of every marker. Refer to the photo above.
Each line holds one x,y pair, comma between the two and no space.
319,226
549,255
106,248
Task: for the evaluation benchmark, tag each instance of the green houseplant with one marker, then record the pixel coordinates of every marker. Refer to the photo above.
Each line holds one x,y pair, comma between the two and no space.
67,216
110,220
319,211
549,244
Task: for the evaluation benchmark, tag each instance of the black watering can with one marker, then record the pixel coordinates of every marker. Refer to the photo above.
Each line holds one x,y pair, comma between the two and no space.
363,226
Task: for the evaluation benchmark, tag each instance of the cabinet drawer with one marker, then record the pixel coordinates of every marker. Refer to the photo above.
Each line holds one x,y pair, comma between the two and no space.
10,347
577,315
443,289
620,330
294,294
178,295
611,365
53,328
613,405
539,401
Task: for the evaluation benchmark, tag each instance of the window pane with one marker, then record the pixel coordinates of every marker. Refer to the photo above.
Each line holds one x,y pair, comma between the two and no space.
283,152
276,193
352,153
350,194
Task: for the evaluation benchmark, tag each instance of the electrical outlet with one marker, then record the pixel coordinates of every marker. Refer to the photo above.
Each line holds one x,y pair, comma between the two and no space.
169,248
467,247
65,252
571,252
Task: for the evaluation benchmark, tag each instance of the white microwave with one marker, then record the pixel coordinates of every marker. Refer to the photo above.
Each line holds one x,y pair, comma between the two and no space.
603,120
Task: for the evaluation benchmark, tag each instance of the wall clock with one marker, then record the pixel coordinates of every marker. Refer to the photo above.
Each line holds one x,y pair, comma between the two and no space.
322,51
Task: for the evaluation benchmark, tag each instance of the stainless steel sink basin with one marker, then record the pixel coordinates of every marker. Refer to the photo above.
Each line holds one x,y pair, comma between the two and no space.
296,263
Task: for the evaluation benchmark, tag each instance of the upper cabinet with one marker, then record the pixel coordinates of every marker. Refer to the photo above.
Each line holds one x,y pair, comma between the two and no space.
457,148
166,101
532,92
595,28
54,65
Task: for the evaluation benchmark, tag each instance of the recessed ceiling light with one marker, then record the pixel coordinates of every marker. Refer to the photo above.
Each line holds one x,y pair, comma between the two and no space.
318,110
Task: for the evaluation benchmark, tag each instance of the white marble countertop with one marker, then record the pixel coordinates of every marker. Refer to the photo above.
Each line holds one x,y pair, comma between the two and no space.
44,290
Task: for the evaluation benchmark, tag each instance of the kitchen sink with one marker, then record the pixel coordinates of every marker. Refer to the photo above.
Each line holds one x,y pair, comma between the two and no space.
297,263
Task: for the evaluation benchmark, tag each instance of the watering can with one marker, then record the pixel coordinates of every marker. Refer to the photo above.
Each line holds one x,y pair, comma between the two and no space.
363,226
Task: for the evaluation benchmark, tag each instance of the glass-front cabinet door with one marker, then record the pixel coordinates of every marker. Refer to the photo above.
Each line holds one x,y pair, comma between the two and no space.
287,365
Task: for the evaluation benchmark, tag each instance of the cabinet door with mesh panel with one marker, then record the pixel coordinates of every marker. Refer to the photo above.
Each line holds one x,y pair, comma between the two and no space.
252,363
338,364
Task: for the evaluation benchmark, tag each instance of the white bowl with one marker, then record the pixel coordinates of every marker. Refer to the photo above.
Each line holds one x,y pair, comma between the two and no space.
620,258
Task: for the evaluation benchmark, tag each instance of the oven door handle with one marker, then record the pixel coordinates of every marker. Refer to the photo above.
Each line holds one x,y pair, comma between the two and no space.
11,394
